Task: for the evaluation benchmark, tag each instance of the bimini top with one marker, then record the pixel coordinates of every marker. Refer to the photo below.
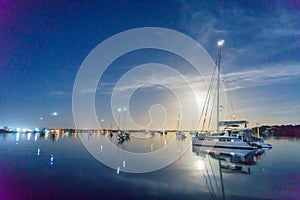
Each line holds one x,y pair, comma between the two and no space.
233,123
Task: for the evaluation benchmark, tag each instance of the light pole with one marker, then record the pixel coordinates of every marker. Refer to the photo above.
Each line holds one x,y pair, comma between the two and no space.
124,119
41,119
54,114
220,44
102,124
119,120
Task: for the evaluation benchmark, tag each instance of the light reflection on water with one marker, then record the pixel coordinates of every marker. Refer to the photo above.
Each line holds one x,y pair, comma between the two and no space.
45,167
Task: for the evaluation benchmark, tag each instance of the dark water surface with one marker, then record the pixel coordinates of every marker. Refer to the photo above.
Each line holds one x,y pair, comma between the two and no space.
29,173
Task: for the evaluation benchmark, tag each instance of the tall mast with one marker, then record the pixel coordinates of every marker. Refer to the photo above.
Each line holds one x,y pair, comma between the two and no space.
220,44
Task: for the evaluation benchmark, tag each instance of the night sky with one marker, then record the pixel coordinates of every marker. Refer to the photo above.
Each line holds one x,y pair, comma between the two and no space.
43,44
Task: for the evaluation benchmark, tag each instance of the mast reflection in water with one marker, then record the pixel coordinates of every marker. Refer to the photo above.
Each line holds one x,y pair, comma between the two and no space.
218,160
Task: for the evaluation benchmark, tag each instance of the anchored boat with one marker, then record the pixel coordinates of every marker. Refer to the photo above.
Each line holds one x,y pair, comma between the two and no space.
230,138
221,142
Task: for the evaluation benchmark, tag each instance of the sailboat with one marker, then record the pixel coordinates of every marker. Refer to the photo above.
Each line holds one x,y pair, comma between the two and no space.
179,134
225,138
122,134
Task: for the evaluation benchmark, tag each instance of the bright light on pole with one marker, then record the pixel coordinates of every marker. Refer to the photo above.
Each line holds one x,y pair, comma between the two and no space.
220,43
54,114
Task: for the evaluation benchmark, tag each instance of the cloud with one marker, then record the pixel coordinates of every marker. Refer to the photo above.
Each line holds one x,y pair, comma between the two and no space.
260,47
290,110
250,35
158,81
57,93
266,75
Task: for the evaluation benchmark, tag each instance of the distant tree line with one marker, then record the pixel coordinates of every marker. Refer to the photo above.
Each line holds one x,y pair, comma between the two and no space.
279,131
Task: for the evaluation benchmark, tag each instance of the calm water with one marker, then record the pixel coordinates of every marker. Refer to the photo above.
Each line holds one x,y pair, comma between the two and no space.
29,173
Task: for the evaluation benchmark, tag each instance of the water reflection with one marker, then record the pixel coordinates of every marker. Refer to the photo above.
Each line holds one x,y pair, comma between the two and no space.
54,136
139,142
17,137
36,135
197,175
216,161
51,159
28,136
38,151
231,159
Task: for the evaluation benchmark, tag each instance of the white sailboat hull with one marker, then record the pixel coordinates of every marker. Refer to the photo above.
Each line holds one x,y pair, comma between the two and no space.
222,142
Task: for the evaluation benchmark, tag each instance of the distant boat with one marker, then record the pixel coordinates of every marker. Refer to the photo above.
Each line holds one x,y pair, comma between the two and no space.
180,135
110,134
152,133
122,136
